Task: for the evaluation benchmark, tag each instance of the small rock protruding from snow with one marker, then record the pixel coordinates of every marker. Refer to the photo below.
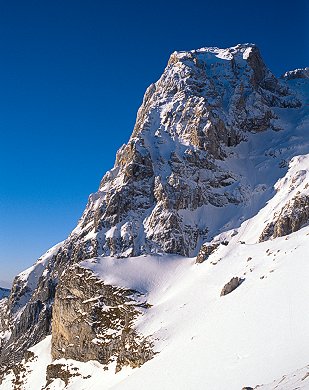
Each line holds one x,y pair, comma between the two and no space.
231,285
206,250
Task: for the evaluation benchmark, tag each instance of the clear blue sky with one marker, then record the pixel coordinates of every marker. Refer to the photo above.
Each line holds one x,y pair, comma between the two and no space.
72,76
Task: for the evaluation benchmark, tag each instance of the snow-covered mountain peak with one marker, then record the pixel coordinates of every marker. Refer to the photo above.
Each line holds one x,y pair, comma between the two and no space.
300,73
212,138
206,102
242,62
202,105
226,54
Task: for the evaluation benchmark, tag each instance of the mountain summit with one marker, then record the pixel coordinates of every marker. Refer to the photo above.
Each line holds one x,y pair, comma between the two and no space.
206,101
196,183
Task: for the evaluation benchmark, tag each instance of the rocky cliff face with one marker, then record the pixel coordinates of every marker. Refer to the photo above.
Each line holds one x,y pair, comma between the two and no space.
205,101
291,218
292,212
95,321
154,200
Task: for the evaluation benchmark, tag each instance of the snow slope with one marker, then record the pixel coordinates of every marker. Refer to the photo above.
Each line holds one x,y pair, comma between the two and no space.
252,336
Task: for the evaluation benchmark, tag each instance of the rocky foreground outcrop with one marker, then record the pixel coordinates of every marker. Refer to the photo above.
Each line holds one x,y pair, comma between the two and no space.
95,321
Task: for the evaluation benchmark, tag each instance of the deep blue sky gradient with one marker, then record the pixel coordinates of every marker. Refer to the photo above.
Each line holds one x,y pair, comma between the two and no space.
72,76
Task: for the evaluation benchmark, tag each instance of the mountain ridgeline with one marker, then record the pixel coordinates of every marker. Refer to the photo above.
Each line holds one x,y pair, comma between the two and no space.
172,189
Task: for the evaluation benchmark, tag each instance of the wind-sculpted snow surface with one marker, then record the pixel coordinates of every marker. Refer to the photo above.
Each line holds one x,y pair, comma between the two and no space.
212,138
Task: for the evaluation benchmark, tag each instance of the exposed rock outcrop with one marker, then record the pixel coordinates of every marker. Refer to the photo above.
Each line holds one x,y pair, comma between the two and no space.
206,250
60,371
55,371
291,218
26,315
231,285
95,321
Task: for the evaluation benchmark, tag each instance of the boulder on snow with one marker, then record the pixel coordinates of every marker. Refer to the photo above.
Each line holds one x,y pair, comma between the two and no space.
231,285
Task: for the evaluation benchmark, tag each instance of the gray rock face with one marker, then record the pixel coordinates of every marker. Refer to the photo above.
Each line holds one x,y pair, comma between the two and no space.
231,285
291,218
26,315
206,250
95,321
205,101
204,104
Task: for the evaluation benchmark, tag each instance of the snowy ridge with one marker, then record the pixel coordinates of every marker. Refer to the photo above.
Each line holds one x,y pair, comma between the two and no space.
27,281
243,50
